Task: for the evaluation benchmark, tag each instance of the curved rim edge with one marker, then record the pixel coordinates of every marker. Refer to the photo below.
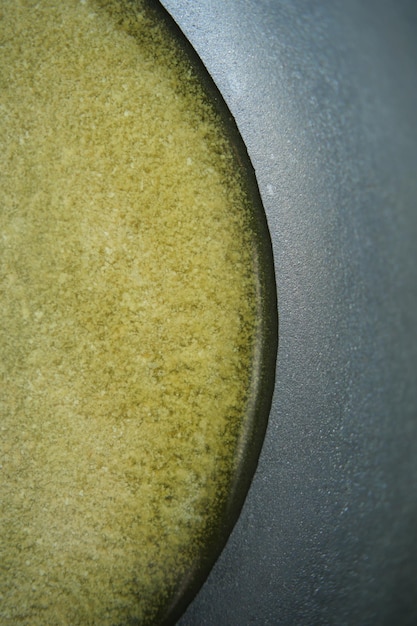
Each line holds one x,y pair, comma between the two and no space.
263,372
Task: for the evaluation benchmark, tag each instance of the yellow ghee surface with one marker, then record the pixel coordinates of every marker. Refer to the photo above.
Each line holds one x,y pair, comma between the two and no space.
127,313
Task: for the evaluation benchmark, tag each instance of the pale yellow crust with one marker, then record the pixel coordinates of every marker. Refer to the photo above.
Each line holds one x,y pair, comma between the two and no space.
127,314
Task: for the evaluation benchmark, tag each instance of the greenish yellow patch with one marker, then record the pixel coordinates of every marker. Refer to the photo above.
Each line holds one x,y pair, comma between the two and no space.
127,314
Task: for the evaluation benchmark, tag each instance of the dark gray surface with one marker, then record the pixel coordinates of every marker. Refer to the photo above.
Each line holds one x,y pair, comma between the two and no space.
325,95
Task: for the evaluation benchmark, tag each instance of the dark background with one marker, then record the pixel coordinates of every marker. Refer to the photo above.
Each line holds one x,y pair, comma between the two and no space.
325,95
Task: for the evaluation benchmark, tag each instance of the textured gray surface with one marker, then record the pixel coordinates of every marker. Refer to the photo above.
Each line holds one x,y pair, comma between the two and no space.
325,95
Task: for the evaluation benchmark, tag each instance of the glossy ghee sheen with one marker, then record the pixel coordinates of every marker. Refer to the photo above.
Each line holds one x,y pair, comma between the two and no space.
127,308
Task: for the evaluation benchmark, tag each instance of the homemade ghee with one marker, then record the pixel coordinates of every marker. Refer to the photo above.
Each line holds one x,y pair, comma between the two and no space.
128,313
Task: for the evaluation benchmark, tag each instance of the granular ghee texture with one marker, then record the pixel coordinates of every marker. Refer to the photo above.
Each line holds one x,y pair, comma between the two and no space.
127,313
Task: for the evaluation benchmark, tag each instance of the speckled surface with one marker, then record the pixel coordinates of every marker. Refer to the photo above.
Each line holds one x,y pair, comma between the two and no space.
132,288
325,95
